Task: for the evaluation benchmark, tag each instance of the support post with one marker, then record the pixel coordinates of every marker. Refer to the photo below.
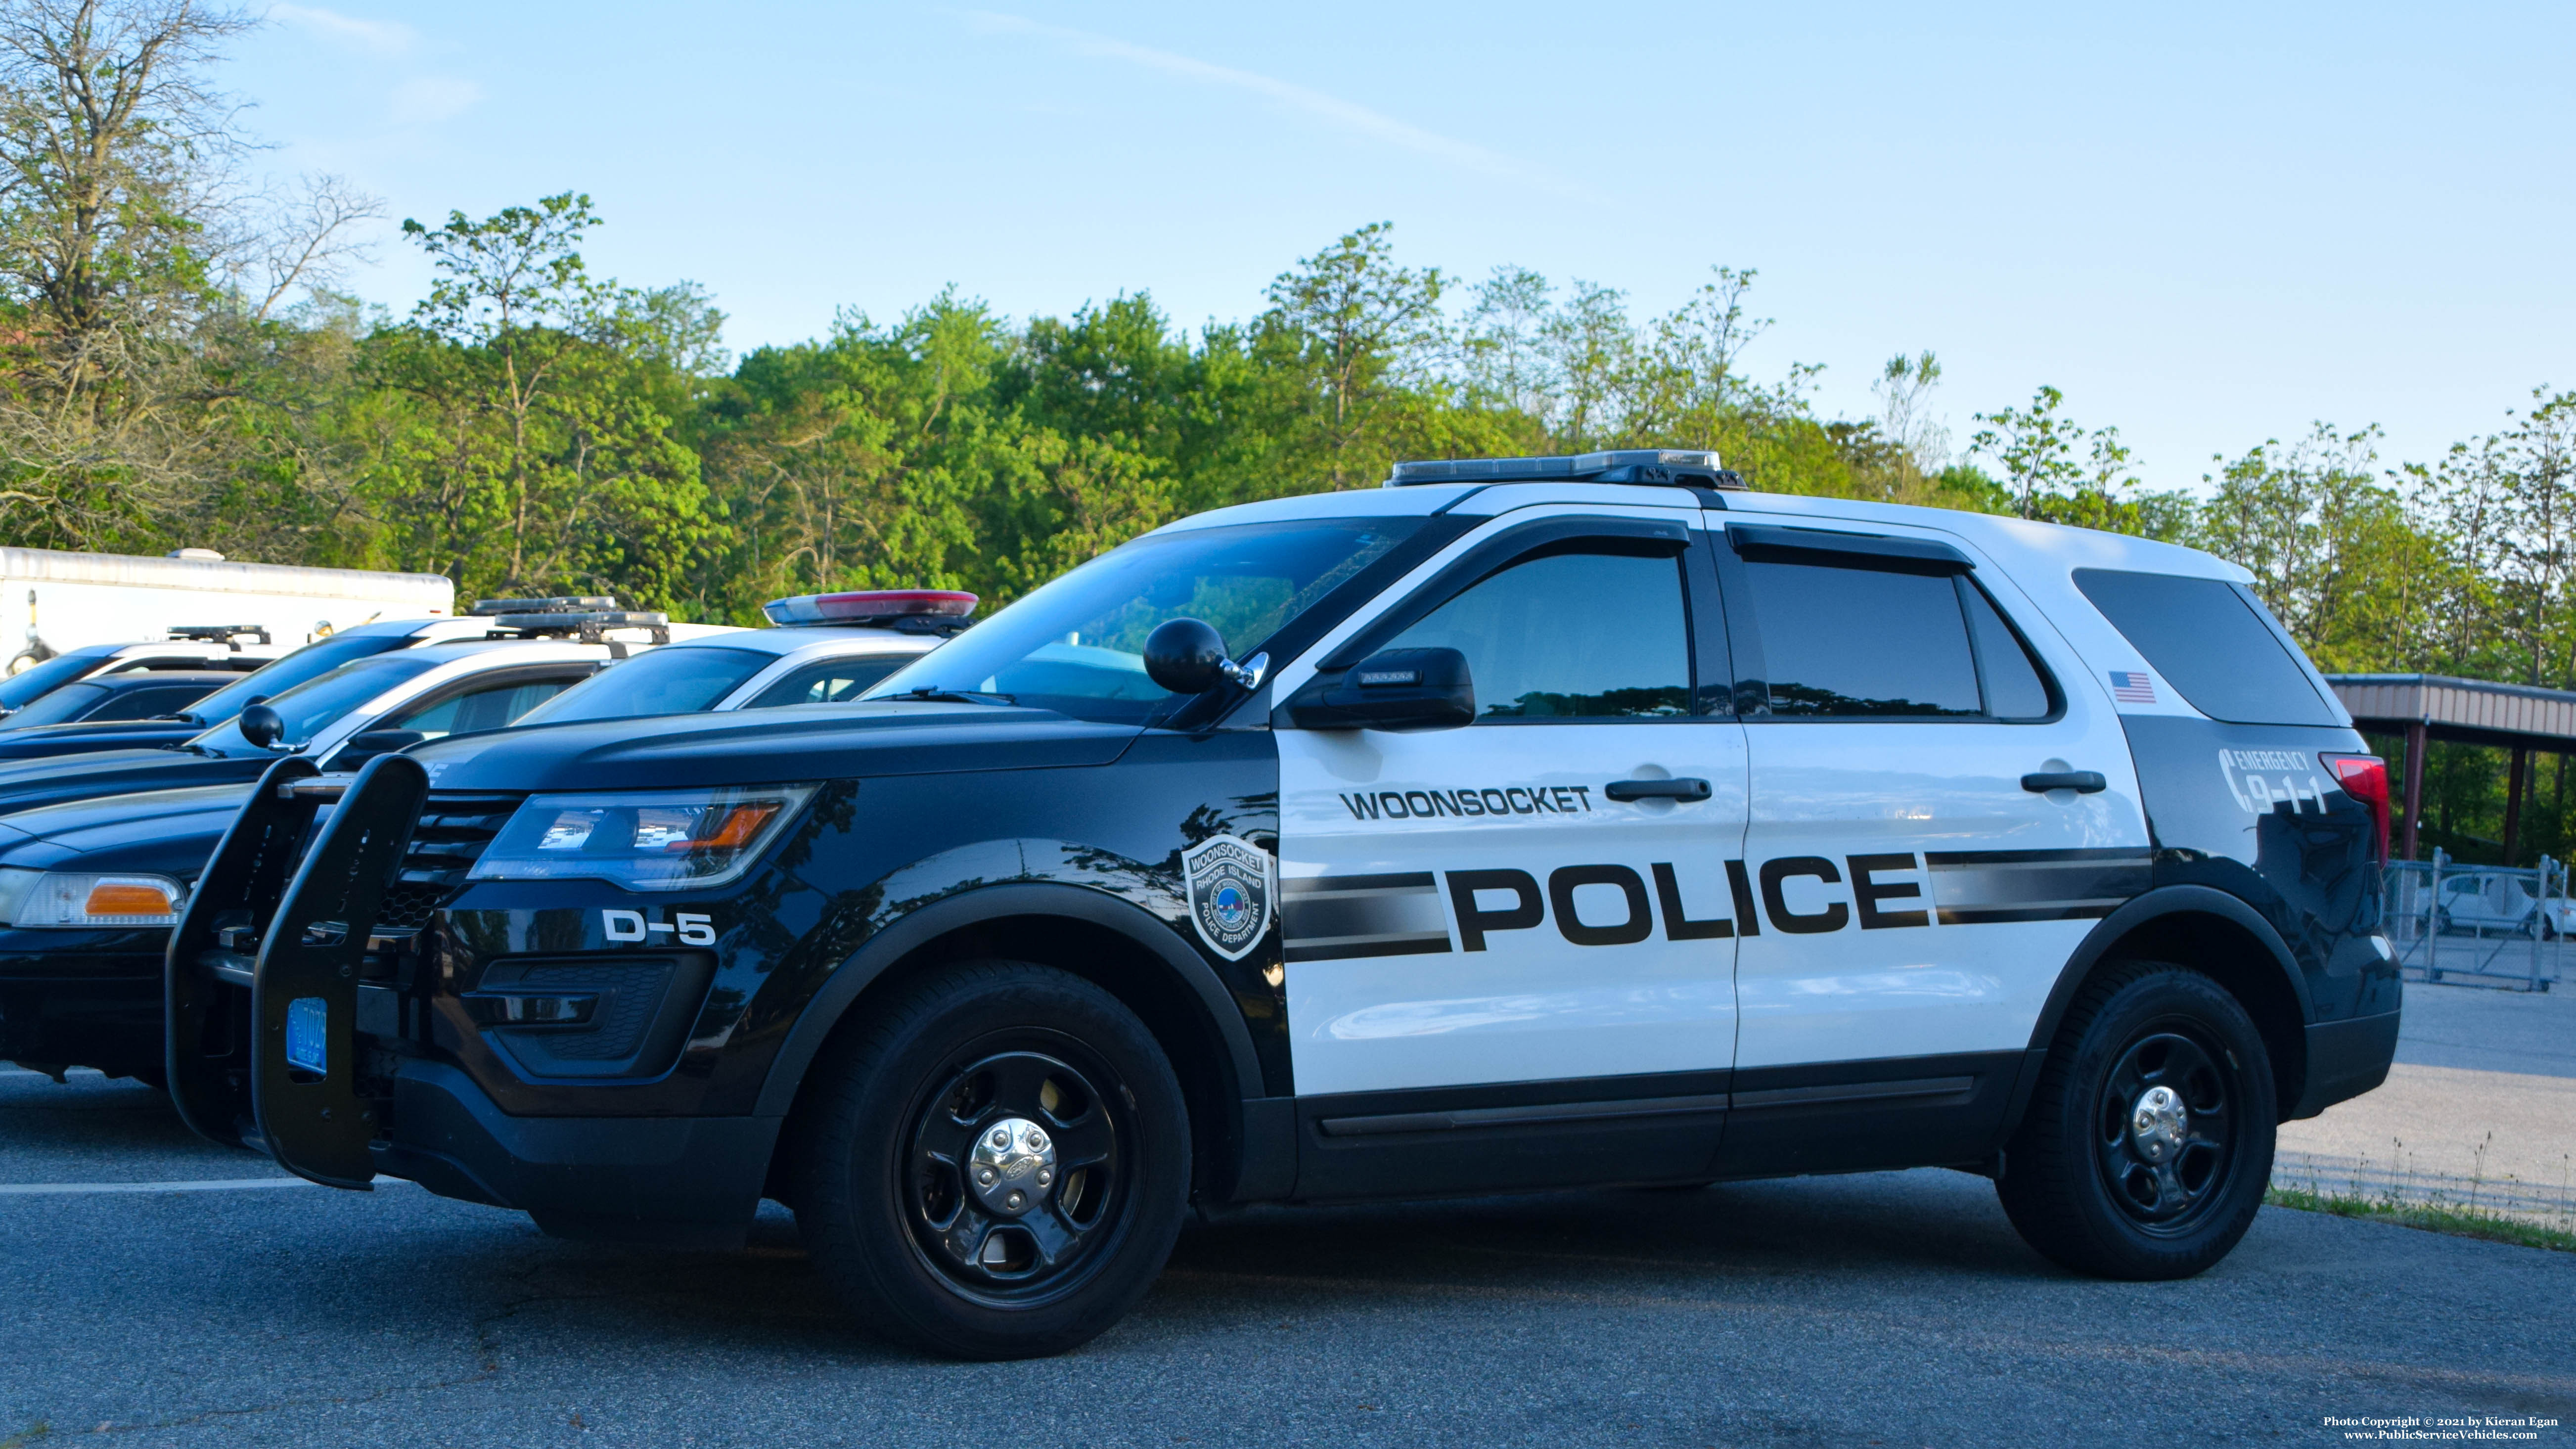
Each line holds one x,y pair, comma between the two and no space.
2433,920
2415,742
2513,798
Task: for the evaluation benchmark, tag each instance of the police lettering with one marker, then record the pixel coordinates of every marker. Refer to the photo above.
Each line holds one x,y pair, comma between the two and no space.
1477,899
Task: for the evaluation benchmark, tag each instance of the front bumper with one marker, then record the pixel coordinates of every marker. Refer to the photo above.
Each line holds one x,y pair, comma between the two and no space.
687,1181
82,999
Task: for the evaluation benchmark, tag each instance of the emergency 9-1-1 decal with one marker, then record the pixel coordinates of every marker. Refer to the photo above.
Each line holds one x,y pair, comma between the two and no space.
1229,885
2261,779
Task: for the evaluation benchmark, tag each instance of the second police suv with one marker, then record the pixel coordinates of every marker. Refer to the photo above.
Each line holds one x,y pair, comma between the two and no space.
1528,823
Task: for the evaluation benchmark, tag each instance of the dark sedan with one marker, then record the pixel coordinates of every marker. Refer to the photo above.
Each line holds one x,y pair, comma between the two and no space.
80,960
48,740
151,696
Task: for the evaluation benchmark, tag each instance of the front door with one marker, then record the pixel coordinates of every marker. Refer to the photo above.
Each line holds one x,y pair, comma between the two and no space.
1486,922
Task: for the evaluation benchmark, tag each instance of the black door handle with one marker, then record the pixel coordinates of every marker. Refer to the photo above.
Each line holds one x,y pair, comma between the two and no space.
1685,790
2082,782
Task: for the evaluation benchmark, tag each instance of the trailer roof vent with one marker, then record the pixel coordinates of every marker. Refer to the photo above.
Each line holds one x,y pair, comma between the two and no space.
206,554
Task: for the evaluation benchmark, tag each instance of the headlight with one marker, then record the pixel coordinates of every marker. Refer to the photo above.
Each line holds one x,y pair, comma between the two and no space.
88,901
644,840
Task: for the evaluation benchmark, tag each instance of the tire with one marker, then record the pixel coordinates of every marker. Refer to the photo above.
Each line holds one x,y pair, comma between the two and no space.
2087,1189
884,1173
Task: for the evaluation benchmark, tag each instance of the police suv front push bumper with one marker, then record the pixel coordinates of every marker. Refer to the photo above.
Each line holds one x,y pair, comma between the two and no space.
271,980
275,1065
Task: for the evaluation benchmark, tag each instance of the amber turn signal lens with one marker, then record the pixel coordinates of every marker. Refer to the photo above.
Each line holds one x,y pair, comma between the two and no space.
740,824
122,898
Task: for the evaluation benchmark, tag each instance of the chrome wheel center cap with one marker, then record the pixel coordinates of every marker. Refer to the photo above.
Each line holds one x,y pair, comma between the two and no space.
1013,1168
2158,1123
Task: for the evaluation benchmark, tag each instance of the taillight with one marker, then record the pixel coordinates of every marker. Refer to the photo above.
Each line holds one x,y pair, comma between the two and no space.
2364,778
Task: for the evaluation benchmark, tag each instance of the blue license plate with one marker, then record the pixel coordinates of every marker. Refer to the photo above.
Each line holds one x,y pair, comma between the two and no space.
308,1040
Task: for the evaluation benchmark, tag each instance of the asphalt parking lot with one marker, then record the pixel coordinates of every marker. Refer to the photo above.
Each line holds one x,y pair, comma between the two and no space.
1892,1309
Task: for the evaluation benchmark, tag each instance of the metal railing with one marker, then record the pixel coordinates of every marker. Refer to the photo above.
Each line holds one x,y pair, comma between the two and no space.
2449,921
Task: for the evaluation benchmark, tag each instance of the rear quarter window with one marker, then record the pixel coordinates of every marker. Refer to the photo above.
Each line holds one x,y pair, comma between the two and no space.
2209,642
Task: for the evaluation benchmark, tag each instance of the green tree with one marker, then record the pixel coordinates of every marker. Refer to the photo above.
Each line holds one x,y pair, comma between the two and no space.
529,453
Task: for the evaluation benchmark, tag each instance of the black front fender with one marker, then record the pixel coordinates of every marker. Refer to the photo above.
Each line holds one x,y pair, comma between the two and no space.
994,903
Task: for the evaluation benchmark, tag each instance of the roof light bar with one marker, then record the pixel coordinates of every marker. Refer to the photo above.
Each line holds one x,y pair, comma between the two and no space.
231,634
894,607
588,628
1673,467
576,604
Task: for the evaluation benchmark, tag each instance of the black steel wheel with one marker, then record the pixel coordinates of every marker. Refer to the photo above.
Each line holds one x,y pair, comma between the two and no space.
1014,1178
2148,1141
2164,1135
992,1163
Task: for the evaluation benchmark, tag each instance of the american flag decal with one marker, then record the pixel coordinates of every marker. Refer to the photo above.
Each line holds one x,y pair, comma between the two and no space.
2130,688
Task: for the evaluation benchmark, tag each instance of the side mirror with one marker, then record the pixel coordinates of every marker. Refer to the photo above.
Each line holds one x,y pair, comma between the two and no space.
1187,656
1393,689
366,746
261,725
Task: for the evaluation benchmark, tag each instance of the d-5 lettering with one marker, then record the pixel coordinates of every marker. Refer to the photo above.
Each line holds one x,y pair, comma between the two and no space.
694,928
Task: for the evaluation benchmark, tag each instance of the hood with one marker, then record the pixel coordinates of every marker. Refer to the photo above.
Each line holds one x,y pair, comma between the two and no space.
758,747
37,742
166,831
26,784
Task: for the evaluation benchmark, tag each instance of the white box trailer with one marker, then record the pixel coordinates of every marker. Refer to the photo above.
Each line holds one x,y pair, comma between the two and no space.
52,601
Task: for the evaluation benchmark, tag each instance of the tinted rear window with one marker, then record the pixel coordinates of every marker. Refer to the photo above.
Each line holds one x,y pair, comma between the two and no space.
1863,642
2208,642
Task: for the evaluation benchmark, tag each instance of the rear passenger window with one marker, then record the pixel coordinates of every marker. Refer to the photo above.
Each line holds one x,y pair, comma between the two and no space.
831,682
2206,638
1846,640
1570,636
1863,642
2015,689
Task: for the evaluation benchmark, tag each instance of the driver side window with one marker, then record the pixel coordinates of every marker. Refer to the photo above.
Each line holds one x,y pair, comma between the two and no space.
493,707
1569,636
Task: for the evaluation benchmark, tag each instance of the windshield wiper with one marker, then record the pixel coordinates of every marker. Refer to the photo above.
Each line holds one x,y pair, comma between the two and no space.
935,695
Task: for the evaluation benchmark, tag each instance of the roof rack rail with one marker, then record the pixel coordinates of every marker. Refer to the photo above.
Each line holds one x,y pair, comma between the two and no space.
226,634
1670,467
575,604
589,628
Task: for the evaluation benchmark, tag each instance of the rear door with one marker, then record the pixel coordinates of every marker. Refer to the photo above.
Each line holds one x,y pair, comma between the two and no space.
1499,970
1924,842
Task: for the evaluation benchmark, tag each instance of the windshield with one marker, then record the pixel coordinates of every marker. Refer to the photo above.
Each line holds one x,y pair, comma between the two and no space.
316,704
64,703
1077,645
675,679
277,677
20,690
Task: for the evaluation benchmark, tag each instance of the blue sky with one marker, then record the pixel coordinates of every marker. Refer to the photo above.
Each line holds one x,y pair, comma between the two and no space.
2206,224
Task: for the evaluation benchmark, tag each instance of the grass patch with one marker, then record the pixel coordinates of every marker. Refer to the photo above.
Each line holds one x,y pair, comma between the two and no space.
2461,1223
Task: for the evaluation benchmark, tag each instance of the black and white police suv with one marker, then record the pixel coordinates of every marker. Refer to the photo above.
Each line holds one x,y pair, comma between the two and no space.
1526,823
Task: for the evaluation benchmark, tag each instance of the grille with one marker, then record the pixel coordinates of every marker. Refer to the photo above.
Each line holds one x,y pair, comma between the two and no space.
450,837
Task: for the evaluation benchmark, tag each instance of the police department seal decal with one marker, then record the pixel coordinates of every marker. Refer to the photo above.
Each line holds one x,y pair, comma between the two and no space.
1229,882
